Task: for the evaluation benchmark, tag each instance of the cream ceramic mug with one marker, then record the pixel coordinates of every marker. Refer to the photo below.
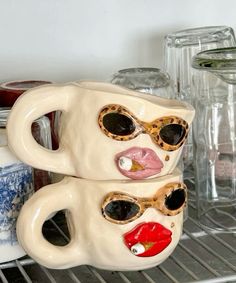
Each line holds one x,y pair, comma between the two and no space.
106,131
113,225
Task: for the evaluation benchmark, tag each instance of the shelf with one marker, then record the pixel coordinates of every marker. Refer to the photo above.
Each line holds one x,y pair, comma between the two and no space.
201,256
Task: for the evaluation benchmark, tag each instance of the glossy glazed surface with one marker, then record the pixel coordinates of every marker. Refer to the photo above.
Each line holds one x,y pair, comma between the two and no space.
84,150
95,240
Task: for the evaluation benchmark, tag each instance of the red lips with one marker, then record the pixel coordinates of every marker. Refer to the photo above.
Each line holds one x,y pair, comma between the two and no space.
148,239
147,163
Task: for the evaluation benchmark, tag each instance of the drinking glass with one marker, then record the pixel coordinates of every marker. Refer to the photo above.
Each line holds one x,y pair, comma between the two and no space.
147,80
179,49
214,132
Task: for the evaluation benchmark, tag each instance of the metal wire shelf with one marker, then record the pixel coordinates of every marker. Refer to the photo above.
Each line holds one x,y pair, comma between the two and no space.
201,256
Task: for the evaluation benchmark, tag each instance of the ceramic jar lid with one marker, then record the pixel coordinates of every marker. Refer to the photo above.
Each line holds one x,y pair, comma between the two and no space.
10,91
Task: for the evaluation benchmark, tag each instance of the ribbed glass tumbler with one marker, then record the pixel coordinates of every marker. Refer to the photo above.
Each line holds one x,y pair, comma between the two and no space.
214,136
180,47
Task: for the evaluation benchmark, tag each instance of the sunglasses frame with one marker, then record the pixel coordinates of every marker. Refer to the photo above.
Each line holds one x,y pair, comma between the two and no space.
157,202
153,128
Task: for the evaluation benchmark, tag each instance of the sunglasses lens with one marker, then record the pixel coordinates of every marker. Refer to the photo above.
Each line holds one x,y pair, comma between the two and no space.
176,199
118,124
121,210
172,134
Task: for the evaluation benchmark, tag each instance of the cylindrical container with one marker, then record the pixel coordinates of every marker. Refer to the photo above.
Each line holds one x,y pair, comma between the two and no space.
147,80
180,47
10,91
17,184
214,130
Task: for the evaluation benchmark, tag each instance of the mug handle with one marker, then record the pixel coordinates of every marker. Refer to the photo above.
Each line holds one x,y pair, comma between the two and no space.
32,216
29,107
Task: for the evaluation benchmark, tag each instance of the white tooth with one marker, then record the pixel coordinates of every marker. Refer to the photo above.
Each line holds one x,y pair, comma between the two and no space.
137,249
125,163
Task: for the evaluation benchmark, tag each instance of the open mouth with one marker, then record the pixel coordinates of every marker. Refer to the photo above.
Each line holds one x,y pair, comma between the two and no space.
148,239
138,163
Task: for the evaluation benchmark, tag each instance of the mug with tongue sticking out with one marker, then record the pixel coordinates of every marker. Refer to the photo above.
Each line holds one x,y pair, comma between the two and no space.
113,225
106,131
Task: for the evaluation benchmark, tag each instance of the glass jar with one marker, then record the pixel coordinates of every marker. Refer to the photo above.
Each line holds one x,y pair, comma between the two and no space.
214,132
148,80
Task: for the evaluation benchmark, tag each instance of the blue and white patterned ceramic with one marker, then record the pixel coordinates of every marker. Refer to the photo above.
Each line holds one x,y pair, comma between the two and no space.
16,186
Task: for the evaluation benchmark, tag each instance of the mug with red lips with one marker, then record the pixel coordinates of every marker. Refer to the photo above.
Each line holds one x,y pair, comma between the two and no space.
106,131
135,223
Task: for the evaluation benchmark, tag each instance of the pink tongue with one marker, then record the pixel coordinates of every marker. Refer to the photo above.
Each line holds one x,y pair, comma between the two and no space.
146,157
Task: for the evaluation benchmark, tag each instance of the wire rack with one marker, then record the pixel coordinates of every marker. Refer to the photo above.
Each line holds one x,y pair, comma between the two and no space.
201,256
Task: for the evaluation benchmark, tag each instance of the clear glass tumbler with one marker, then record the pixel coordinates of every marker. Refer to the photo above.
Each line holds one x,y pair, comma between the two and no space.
214,136
148,80
179,49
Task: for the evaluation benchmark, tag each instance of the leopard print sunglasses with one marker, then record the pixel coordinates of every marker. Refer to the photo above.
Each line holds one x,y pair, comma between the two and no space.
122,208
118,123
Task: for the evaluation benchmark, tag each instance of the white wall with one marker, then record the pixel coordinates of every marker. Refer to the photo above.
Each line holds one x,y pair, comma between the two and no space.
65,40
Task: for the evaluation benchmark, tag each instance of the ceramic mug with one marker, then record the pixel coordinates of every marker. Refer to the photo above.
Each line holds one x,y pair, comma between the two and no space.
113,225
106,131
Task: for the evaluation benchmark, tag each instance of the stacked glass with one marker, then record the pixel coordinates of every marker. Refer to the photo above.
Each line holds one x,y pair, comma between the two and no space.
180,47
